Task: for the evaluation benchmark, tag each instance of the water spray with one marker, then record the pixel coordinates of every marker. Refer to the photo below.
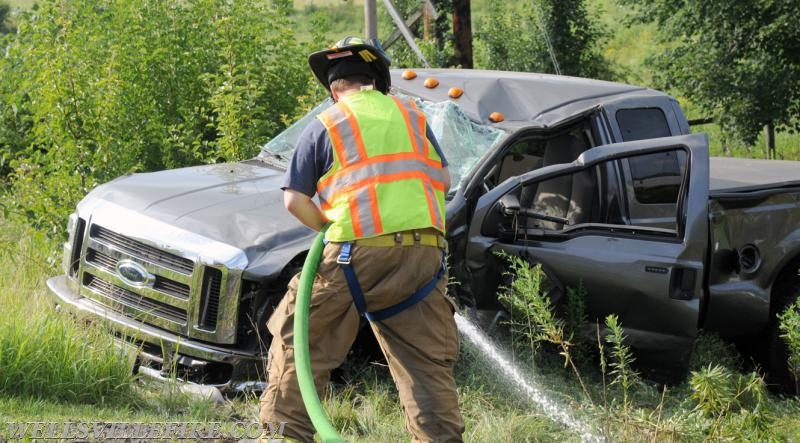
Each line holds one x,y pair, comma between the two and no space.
551,408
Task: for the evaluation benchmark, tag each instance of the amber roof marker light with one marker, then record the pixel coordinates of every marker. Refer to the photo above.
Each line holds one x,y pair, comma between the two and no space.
496,117
455,92
431,83
408,74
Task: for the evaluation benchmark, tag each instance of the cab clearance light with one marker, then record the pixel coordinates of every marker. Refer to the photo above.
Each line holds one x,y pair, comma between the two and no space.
431,82
496,117
455,92
409,74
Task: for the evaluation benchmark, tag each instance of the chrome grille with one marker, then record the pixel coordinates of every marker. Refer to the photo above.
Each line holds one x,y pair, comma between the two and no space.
124,297
172,288
142,250
212,282
177,294
101,260
162,284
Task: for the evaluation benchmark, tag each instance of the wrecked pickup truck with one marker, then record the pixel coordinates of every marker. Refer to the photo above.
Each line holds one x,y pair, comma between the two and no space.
599,182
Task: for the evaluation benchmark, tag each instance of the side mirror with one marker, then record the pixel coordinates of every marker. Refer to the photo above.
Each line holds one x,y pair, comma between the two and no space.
509,204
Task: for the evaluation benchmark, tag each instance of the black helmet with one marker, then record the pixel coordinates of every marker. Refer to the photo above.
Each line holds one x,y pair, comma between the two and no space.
350,56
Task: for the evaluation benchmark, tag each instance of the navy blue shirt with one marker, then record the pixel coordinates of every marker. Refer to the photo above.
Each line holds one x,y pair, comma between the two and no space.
313,157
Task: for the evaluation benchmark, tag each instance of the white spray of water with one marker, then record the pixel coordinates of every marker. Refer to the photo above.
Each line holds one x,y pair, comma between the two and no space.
552,409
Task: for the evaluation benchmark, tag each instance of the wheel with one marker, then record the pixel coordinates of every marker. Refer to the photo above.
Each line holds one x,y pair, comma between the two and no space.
785,292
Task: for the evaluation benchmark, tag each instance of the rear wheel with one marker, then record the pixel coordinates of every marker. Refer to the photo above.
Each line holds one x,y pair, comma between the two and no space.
785,292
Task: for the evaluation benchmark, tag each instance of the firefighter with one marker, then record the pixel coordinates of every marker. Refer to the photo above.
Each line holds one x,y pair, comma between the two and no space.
381,179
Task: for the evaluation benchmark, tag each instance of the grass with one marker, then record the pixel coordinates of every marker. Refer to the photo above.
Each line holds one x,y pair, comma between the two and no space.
57,368
20,4
54,368
36,348
719,401
367,409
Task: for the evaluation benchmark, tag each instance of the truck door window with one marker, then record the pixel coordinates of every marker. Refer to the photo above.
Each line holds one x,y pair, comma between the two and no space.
522,157
640,191
652,187
529,154
656,178
642,123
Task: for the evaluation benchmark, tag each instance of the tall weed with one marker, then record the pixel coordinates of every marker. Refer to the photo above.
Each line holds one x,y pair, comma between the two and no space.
533,314
620,360
735,404
789,326
43,353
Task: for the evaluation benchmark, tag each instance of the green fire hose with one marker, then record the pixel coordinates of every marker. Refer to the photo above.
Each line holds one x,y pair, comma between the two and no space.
301,352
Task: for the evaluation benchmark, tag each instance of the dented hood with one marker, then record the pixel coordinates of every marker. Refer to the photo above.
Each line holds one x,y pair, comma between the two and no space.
239,204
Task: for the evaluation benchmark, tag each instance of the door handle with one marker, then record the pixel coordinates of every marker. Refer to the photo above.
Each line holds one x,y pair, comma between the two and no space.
682,283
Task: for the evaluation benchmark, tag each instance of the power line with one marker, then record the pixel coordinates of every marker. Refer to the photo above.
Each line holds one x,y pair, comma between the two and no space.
546,36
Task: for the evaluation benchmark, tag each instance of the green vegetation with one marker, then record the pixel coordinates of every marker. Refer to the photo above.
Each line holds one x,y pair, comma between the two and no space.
89,93
37,348
58,368
542,36
91,90
736,59
716,402
21,4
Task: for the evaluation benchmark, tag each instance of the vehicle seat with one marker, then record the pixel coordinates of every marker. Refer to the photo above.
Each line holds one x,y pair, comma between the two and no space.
569,196
517,164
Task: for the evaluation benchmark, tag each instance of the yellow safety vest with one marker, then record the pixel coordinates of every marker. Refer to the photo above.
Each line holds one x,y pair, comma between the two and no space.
386,176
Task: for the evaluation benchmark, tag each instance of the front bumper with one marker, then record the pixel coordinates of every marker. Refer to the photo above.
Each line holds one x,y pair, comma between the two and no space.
228,369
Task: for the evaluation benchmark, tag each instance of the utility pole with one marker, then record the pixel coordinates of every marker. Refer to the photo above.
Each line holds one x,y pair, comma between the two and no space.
371,26
462,32
769,135
371,19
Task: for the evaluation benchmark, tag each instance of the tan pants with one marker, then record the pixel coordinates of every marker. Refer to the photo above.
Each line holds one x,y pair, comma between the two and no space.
420,343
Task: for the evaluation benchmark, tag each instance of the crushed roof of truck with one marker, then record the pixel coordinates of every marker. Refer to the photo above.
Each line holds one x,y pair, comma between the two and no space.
519,96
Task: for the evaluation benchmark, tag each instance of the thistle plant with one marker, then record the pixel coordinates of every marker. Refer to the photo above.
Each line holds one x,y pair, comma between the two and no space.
737,404
789,326
621,359
533,314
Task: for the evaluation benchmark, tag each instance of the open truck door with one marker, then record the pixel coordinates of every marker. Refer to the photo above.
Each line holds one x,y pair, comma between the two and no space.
627,221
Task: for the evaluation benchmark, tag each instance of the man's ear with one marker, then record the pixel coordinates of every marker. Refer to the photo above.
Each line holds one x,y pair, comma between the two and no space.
334,96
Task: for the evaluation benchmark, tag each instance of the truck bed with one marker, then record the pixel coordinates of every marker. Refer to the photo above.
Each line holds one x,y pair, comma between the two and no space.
731,175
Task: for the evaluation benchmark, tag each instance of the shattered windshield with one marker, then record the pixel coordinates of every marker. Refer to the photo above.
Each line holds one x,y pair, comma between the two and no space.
463,141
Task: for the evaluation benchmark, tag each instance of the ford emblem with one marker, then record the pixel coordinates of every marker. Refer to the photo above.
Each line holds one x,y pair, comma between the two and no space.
134,274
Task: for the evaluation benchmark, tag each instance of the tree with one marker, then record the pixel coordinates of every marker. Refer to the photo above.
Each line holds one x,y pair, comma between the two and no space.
92,89
509,39
551,36
739,61
5,14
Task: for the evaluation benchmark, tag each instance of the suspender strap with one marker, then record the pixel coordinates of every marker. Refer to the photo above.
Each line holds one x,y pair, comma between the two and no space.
358,294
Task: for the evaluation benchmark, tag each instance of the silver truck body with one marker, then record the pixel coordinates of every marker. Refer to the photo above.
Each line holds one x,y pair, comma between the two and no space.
187,264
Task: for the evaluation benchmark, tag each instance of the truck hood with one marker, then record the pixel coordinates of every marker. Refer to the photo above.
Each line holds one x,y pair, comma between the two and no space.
238,204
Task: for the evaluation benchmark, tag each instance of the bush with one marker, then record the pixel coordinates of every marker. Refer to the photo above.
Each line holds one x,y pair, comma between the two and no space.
92,89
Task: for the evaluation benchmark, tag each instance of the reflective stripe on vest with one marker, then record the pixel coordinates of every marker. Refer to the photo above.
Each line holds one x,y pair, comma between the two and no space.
345,138
349,192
